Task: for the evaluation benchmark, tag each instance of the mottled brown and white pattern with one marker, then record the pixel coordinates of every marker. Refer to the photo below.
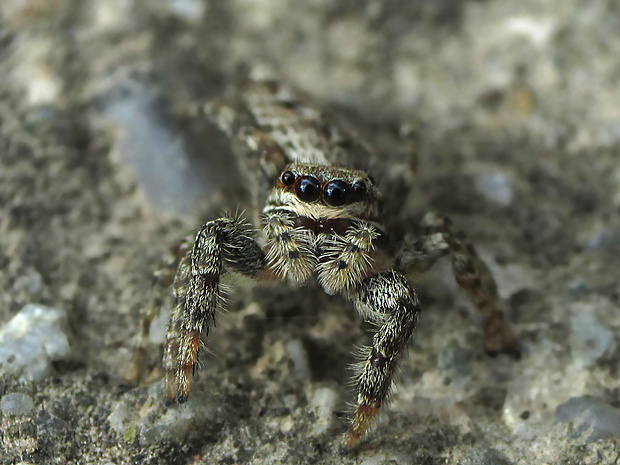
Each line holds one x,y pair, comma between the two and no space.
320,220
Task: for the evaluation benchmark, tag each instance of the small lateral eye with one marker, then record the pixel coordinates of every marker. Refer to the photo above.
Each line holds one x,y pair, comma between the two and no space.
335,193
308,189
359,187
288,178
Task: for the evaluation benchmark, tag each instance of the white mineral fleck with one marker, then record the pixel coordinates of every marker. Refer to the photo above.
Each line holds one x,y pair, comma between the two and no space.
159,326
147,144
33,71
120,417
383,459
324,401
191,10
298,355
201,412
34,338
496,187
537,30
594,419
375,459
16,404
589,339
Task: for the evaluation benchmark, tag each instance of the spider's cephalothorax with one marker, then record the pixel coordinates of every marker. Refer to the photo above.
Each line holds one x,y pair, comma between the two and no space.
318,220
325,221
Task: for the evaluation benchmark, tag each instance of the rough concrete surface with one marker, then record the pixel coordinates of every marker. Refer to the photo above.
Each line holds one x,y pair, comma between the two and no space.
508,111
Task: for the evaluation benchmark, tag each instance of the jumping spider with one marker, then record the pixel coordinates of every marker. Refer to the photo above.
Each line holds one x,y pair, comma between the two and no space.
318,220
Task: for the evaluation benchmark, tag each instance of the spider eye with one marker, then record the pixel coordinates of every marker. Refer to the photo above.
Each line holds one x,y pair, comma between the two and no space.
335,193
288,178
359,187
308,189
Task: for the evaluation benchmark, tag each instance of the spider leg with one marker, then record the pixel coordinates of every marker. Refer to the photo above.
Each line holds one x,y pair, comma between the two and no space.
441,238
291,253
348,258
387,300
223,243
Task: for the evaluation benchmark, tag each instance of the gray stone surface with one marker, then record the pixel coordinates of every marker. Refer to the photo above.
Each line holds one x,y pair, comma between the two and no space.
507,112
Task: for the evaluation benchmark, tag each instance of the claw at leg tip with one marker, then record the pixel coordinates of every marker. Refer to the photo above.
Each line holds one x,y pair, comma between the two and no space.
363,417
350,440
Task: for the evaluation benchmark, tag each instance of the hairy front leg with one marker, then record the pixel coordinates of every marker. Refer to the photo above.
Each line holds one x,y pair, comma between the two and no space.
440,238
219,244
388,301
349,258
291,249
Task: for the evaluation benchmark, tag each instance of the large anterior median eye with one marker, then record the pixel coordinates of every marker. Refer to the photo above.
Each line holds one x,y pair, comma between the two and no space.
335,193
308,189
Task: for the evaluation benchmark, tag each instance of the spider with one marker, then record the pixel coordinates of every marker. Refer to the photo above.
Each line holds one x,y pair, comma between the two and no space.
323,221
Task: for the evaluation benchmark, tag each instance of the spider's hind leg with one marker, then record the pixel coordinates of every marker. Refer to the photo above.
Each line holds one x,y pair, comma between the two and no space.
441,238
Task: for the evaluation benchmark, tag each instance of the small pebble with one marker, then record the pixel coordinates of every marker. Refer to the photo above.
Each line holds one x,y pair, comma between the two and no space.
496,187
485,457
594,419
148,145
589,339
31,282
609,134
149,425
383,459
376,459
159,326
602,238
324,401
199,413
16,404
30,341
457,362
299,356
120,417
190,10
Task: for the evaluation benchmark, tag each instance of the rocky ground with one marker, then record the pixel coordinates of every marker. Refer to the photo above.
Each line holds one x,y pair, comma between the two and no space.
508,111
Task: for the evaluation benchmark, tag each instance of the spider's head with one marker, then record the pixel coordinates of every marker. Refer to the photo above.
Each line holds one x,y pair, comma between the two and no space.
319,191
